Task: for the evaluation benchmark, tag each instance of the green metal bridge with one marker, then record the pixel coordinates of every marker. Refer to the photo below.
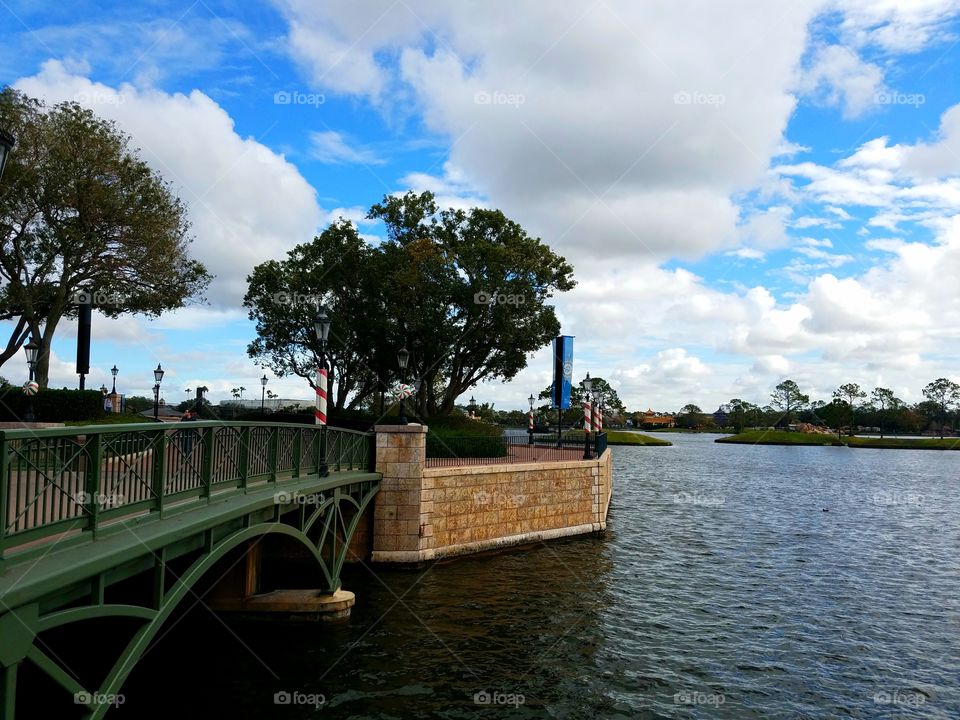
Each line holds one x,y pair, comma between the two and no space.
124,521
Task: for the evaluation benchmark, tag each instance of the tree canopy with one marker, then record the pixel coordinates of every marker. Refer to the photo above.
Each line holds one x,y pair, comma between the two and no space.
83,219
464,291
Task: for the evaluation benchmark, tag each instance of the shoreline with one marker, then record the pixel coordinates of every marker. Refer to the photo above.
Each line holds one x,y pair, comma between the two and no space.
781,437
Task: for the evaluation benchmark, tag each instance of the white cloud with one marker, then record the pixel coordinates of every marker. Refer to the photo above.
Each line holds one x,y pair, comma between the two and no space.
838,77
330,147
246,203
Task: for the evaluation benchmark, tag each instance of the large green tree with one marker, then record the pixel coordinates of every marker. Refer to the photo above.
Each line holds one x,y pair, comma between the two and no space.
849,393
83,219
787,398
944,393
885,401
464,291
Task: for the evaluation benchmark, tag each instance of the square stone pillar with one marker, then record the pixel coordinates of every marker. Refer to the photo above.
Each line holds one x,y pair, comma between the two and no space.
402,527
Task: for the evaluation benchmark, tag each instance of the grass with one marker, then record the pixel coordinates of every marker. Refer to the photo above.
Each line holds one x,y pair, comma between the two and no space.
623,437
904,443
783,437
778,437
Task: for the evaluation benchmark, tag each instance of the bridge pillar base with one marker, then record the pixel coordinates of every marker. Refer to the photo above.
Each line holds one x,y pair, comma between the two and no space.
310,605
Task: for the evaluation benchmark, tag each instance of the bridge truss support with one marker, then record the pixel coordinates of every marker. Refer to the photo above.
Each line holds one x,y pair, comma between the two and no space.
322,524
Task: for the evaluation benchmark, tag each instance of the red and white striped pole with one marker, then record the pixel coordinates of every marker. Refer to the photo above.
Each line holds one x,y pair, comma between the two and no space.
530,422
587,412
598,421
320,415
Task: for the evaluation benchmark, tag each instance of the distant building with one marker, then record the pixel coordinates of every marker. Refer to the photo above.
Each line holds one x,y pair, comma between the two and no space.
655,419
271,404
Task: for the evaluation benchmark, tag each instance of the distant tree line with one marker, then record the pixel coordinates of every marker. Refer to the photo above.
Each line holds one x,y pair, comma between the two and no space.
850,408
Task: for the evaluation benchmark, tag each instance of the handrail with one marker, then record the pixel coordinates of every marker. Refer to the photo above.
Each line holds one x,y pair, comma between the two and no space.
130,427
66,479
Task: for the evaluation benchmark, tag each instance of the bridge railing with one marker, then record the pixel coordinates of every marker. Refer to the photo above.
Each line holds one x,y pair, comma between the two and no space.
75,479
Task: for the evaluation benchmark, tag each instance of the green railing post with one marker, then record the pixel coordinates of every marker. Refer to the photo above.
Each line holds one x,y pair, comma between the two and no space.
93,445
323,470
315,448
243,462
273,455
160,467
206,462
4,492
295,449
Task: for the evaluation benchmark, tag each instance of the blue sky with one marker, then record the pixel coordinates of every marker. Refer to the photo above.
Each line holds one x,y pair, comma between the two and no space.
746,192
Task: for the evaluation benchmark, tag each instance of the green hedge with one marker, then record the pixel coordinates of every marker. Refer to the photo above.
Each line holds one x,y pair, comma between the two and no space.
51,405
458,446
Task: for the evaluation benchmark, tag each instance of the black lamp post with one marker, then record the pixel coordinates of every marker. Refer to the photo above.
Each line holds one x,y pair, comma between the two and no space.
530,419
114,371
7,142
263,391
403,357
31,349
321,327
587,387
158,377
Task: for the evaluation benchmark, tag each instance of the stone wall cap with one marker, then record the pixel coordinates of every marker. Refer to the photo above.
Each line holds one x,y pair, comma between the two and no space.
410,428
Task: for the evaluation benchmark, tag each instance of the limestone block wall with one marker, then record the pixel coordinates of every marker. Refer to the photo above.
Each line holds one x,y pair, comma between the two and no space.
424,513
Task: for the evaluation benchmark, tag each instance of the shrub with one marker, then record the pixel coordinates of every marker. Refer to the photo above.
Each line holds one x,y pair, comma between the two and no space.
51,405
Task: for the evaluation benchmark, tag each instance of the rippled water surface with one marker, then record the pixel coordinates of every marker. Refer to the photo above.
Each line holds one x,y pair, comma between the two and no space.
734,581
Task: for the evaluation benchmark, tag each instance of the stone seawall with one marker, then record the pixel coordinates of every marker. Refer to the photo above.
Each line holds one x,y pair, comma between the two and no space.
425,513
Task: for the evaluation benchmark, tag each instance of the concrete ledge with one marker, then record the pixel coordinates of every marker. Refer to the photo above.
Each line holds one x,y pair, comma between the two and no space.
415,556
409,428
444,470
292,604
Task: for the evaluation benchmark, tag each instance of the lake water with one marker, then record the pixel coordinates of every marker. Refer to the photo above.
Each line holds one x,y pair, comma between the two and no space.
734,581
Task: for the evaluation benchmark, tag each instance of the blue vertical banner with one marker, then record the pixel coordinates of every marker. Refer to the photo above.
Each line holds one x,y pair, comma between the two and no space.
562,370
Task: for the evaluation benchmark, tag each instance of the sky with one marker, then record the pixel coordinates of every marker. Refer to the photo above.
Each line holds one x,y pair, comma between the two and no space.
748,191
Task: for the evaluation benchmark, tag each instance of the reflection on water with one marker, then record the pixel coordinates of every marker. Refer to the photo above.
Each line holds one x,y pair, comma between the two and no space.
734,581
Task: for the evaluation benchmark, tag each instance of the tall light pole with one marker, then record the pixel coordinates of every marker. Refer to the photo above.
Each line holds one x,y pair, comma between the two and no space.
158,378
263,391
7,142
31,349
403,357
587,386
113,371
530,418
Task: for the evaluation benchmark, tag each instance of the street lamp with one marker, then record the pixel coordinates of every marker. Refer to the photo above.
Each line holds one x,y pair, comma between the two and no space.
530,418
403,357
158,377
7,142
114,371
263,391
31,349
